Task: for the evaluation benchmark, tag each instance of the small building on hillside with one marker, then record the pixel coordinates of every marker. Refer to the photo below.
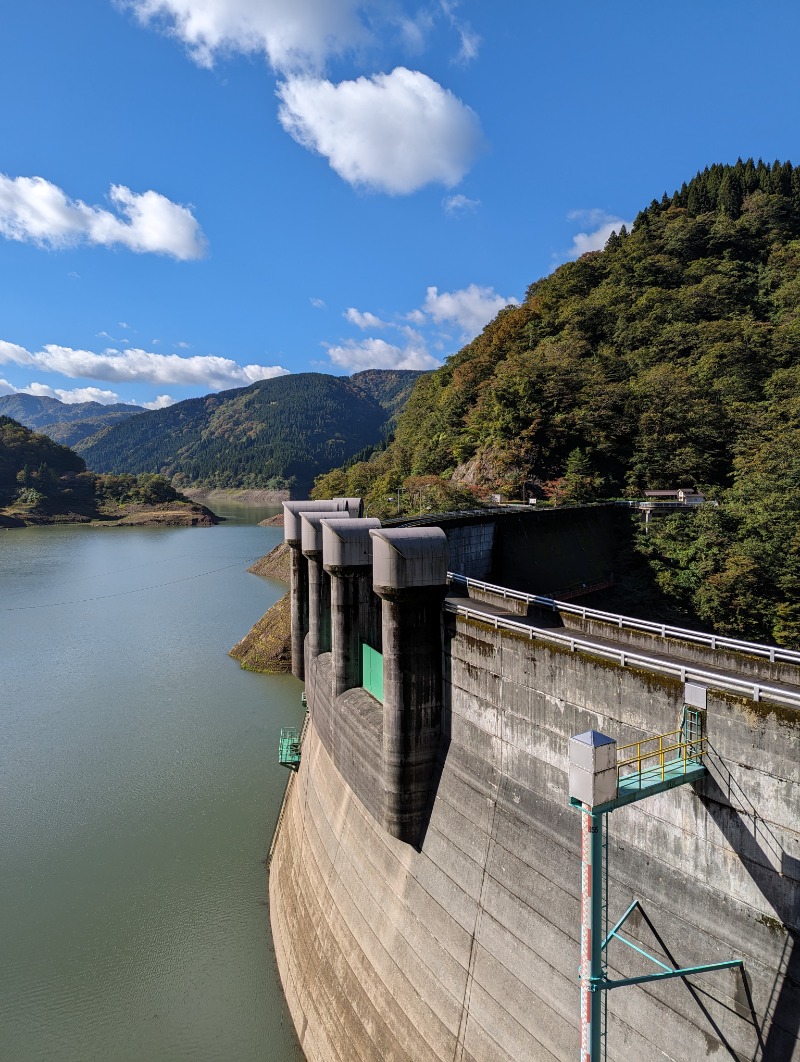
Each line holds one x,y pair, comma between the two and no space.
677,496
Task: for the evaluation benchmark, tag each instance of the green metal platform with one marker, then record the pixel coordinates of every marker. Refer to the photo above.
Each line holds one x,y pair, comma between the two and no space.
289,749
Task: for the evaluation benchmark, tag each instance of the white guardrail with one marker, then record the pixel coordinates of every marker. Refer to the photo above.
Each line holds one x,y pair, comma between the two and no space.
624,657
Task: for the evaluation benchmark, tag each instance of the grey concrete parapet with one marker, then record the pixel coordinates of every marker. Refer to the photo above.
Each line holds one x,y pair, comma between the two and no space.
293,509
406,557
347,544
311,524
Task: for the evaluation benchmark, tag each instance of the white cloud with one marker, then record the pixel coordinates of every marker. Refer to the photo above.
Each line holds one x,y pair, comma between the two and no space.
72,397
140,366
470,41
470,308
392,132
363,320
457,204
595,239
32,210
378,354
292,34
318,304
160,403
414,29
81,394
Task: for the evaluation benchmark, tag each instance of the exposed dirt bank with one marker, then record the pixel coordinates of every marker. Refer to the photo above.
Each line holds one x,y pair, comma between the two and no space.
168,514
268,646
275,565
238,497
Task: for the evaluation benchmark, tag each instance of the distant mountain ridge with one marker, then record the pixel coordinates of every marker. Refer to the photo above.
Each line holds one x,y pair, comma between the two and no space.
64,422
275,433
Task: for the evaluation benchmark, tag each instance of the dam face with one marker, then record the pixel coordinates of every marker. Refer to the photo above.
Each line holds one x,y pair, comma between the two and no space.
453,933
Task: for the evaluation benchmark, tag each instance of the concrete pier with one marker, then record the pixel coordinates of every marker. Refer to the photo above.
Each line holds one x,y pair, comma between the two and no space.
319,583
299,566
347,558
410,577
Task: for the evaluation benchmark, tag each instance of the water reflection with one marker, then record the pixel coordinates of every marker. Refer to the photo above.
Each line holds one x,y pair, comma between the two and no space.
139,788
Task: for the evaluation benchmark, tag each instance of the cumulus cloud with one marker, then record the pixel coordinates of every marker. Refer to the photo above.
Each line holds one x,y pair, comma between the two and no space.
141,366
470,308
71,397
378,354
160,403
363,320
600,225
459,204
392,132
292,34
318,304
32,210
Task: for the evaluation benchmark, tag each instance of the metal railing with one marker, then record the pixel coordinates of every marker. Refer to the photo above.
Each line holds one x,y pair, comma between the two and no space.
667,750
743,687
772,653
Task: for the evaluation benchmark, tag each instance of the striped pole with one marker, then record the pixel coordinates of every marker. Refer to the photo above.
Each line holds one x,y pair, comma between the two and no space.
591,934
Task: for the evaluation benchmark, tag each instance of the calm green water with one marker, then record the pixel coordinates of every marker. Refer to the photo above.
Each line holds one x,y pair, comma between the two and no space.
138,791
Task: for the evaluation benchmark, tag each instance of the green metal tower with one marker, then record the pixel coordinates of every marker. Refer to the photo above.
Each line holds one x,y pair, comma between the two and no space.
602,778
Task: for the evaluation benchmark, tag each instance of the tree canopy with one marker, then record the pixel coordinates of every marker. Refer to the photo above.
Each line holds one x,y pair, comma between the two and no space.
668,359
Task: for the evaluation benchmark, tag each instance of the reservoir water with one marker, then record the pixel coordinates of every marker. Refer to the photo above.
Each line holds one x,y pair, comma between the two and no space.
139,787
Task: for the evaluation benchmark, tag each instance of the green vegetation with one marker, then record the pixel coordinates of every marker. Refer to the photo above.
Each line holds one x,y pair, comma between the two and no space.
276,434
671,358
43,482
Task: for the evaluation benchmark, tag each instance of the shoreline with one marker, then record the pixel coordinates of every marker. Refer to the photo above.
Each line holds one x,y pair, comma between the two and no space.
235,496
171,514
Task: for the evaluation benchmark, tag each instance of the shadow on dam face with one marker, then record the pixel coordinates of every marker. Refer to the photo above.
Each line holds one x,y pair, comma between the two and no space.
773,870
756,845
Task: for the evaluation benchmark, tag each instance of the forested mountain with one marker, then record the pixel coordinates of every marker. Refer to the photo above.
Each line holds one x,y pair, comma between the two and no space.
43,482
24,454
391,388
671,358
66,423
276,433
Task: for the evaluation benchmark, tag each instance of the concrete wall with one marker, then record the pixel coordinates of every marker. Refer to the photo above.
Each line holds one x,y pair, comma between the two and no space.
471,547
467,949
540,551
547,551
745,665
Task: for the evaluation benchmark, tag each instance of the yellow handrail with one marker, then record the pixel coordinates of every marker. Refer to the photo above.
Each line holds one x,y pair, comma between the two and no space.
687,749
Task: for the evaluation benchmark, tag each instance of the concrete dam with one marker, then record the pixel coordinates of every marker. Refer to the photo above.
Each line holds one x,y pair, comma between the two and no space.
447,886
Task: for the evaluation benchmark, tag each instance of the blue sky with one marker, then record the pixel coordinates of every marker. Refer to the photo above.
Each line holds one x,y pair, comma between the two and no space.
196,194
